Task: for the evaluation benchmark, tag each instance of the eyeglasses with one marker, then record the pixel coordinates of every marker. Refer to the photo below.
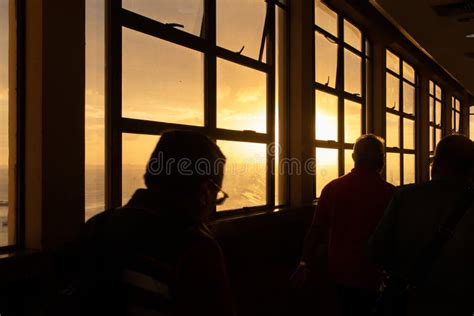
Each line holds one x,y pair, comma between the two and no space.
221,194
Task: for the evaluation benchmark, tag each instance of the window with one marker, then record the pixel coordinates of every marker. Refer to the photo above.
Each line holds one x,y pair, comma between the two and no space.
436,110
400,120
471,122
207,66
455,115
340,76
4,123
95,109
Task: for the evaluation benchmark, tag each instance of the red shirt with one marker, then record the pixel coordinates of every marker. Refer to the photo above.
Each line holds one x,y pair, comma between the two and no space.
350,207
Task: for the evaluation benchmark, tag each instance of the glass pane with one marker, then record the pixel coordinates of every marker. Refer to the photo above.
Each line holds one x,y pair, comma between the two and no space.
408,134
408,98
393,92
393,128
94,110
352,73
4,122
432,110
326,167
352,121
408,72
432,88
156,86
325,61
326,116
184,12
438,93
239,23
348,161
458,105
393,62
432,140
471,126
408,169
393,168
325,17
352,35
438,135
136,150
245,176
241,97
438,112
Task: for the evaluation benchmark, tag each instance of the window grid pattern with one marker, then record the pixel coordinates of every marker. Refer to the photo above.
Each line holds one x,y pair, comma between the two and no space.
401,106
341,60
455,115
118,126
436,117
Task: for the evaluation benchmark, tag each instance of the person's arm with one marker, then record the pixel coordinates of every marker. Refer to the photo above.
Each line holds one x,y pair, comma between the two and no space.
202,283
315,243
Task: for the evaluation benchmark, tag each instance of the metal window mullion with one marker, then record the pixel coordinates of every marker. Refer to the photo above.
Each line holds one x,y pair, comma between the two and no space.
210,68
340,99
113,102
270,42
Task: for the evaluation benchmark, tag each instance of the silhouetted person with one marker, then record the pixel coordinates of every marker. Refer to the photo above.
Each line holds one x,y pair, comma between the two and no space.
346,215
410,222
156,252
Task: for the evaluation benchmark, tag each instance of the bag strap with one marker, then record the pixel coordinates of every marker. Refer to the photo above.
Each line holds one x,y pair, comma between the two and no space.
445,232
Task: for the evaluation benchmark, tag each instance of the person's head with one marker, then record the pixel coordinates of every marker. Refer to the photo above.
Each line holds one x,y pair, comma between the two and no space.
454,157
369,152
189,167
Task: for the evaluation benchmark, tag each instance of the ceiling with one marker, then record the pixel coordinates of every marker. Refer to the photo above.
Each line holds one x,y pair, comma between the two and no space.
442,37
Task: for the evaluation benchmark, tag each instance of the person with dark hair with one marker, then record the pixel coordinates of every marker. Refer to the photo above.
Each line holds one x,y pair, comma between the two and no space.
346,215
155,255
412,223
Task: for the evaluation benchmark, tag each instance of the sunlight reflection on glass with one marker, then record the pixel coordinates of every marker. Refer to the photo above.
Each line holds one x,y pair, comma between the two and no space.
408,168
432,92
348,161
352,35
393,62
393,168
326,116
408,72
326,167
240,23
438,92
392,92
136,150
439,133
4,147
241,97
408,134
184,12
94,186
325,61
408,98
325,17
152,89
438,112
432,110
432,142
352,121
244,175
352,73
393,128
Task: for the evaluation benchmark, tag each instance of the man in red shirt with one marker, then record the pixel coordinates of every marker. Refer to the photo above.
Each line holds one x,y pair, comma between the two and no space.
347,213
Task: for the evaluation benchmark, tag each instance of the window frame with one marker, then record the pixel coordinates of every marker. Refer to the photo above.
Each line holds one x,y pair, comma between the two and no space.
401,150
432,125
339,90
455,113
118,18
